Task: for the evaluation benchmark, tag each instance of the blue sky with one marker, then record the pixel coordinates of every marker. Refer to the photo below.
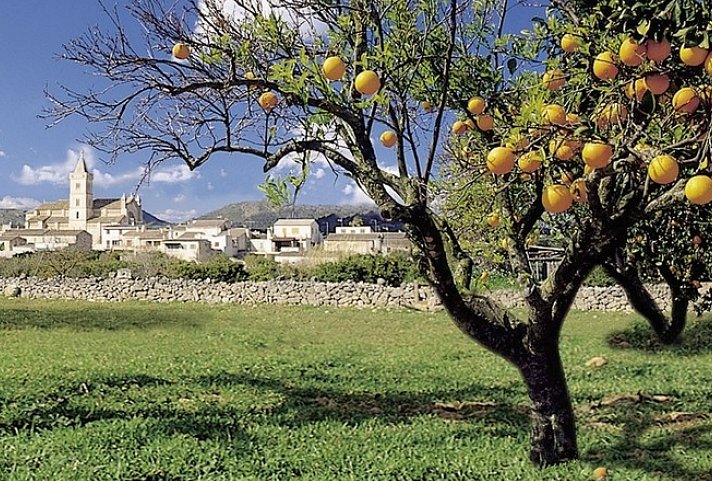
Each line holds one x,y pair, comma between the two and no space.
36,161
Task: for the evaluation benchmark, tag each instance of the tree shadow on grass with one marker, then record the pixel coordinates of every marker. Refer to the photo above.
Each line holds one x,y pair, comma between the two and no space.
139,317
651,438
695,340
304,404
296,405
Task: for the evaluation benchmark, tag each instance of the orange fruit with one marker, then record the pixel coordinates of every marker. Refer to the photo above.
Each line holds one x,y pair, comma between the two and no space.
367,82
389,138
500,160
427,106
570,43
636,87
470,124
599,474
554,79
685,100
597,154
658,51
708,64
553,114
572,119
612,114
698,189
579,191
459,127
556,198
530,162
333,68
565,150
493,220
658,83
476,105
485,122
693,56
663,169
250,75
604,66
180,51
631,52
268,100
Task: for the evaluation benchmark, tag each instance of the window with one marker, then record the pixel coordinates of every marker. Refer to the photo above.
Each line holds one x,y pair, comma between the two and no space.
192,246
216,244
76,202
77,185
77,215
295,230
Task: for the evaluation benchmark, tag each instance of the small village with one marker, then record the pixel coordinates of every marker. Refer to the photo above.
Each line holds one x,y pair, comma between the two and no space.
85,223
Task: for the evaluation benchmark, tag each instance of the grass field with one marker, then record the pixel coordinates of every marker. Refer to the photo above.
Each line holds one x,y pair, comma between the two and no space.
189,392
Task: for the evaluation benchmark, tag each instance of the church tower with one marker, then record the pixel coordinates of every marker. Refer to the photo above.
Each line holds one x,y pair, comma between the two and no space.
81,198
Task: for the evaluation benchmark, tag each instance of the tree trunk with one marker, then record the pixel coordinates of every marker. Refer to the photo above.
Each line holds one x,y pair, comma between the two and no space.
553,436
666,329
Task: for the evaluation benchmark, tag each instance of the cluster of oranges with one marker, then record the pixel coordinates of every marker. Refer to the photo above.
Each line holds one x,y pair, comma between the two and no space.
597,154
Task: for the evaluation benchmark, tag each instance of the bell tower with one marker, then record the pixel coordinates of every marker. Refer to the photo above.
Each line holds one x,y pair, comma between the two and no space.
81,198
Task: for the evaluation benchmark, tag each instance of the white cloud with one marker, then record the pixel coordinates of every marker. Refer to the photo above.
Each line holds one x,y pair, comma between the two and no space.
58,173
319,173
223,173
2,153
210,186
172,175
354,195
173,215
22,203
179,198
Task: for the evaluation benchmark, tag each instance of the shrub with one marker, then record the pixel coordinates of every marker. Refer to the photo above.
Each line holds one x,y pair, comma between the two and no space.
260,268
395,269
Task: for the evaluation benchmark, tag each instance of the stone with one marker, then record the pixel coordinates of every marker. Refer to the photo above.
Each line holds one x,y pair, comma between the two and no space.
597,361
11,290
124,274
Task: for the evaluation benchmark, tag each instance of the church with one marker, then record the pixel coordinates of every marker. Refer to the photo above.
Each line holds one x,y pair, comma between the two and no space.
82,212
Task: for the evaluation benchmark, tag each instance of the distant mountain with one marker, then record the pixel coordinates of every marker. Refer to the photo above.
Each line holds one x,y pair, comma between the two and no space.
153,221
16,217
260,215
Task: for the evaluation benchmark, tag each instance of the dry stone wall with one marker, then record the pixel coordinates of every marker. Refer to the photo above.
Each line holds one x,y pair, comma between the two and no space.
348,294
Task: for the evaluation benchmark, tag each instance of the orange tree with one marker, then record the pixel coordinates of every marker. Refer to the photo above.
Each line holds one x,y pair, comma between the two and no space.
329,77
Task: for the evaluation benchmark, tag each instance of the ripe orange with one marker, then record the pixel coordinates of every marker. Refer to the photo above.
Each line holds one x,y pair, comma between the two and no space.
250,75
566,149
658,83
485,122
476,105
570,43
333,68
493,220
631,52
611,114
367,82
599,474
427,106
698,189
604,66
708,64
554,79
389,138
658,51
459,127
553,114
556,198
530,162
693,56
180,51
663,169
597,154
685,100
579,191
572,119
636,87
500,160
268,101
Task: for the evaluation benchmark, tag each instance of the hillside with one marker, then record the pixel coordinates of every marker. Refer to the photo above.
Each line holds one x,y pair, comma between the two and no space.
16,217
260,215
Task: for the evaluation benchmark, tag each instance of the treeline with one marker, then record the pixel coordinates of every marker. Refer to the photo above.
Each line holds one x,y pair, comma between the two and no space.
395,268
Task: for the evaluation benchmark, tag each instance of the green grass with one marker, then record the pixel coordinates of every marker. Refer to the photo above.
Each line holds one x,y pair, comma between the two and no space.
190,392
